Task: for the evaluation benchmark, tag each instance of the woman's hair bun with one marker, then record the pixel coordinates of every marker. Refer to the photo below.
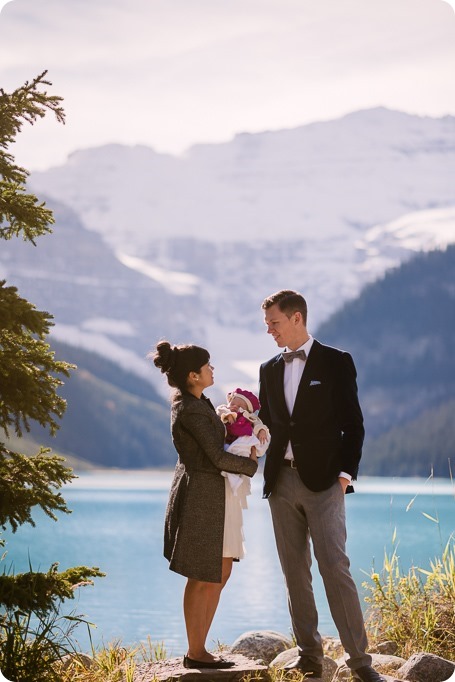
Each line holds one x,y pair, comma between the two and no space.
165,356
176,362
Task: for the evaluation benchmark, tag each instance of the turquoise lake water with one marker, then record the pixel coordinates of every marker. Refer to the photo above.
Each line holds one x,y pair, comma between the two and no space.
117,524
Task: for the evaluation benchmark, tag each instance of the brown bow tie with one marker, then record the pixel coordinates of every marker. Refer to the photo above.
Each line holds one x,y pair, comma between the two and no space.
288,356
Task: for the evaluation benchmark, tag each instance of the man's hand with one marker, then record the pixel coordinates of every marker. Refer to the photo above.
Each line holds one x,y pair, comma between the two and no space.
344,483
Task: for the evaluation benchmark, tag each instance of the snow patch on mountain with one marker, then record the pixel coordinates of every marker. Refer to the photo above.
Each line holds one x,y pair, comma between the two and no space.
386,246
109,326
418,231
178,283
103,345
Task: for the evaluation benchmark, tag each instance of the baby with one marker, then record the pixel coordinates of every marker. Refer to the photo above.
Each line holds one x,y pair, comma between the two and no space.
244,429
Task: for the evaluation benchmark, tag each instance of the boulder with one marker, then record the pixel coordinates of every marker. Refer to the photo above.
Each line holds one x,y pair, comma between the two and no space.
388,648
419,668
172,669
384,664
261,645
77,662
427,668
343,674
328,665
332,647
387,662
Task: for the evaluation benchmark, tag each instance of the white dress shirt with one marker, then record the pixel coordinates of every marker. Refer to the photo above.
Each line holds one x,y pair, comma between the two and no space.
292,375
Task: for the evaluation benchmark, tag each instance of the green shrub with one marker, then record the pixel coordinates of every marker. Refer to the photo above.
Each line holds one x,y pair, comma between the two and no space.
31,645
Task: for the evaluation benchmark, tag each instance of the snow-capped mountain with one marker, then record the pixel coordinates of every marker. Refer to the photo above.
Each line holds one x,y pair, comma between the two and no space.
319,181
324,208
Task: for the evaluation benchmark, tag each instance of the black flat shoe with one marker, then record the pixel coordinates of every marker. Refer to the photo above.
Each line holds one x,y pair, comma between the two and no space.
218,663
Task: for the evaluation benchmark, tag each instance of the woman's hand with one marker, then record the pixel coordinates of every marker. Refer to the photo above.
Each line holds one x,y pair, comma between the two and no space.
262,436
253,454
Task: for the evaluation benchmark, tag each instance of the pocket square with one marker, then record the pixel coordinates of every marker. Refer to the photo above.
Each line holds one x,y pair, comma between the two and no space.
315,383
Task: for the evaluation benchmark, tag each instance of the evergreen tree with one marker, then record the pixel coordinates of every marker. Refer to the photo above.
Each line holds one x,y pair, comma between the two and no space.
29,379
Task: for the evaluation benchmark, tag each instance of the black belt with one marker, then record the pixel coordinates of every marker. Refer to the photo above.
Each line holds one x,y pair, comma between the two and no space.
290,463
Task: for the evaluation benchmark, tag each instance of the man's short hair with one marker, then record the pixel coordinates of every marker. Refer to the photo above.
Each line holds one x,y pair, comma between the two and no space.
288,301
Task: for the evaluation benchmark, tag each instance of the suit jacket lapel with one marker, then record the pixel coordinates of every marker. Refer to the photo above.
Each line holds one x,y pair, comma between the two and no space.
278,375
311,362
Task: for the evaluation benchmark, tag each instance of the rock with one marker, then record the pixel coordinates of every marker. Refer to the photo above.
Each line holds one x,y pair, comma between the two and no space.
77,661
382,663
343,674
421,667
426,668
285,657
328,665
388,648
332,647
261,645
172,669
386,662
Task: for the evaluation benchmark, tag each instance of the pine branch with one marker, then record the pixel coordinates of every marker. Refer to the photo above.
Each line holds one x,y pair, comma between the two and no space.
28,369
19,210
28,482
25,105
21,213
42,593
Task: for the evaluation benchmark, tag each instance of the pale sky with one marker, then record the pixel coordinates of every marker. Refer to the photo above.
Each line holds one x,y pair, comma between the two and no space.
173,73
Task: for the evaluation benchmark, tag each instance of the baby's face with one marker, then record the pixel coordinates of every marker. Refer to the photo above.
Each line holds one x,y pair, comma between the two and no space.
236,403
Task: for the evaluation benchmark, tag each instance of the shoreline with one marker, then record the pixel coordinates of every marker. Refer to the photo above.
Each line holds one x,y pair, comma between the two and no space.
160,479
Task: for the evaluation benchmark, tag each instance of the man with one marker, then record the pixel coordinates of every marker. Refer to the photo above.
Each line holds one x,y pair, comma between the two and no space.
309,402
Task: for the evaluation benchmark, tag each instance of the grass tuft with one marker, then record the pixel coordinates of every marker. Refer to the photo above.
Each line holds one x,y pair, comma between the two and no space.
415,609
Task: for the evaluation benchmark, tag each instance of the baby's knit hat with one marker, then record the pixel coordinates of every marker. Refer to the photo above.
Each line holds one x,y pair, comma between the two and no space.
251,400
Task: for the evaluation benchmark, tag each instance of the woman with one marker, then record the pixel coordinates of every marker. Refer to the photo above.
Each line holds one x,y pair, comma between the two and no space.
195,515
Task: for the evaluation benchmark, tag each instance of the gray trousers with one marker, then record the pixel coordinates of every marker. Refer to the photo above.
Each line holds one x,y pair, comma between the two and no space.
299,514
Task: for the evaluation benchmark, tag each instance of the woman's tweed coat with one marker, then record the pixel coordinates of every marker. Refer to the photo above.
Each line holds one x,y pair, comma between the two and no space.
194,526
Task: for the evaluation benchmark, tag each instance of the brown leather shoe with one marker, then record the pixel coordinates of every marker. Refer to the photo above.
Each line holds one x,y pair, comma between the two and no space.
367,674
304,664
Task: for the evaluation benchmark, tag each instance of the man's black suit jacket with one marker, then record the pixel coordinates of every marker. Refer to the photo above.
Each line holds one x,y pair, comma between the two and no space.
326,426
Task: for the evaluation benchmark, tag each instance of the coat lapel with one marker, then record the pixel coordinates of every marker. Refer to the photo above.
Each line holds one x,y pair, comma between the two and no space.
311,362
278,375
